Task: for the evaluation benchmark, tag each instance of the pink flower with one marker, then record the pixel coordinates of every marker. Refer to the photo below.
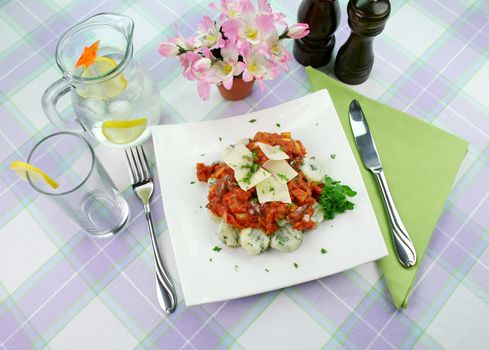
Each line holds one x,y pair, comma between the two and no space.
175,46
200,69
229,67
204,90
168,49
186,60
208,35
255,29
230,29
264,6
256,66
277,52
229,8
298,30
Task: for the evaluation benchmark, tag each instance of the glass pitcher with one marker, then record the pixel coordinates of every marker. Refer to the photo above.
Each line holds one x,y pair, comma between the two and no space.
115,99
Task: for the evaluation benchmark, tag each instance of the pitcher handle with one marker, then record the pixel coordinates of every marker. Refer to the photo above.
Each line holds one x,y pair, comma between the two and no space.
49,100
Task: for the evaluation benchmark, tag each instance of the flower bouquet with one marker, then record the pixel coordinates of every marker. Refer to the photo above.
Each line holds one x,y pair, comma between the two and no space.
241,46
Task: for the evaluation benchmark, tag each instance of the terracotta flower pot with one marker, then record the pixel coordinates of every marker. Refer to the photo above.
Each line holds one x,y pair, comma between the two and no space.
240,89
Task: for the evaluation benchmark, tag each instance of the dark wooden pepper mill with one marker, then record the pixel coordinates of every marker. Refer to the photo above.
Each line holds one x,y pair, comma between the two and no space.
323,17
355,58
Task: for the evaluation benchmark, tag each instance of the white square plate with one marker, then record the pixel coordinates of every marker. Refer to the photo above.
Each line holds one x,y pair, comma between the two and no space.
351,239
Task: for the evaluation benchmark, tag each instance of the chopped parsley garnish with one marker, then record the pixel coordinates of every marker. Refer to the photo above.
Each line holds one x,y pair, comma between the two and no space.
283,177
267,270
271,189
192,182
296,265
251,158
217,249
247,179
333,156
323,251
253,166
252,120
334,198
278,125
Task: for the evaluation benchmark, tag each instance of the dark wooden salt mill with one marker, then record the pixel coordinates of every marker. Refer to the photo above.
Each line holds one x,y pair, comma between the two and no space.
323,17
355,58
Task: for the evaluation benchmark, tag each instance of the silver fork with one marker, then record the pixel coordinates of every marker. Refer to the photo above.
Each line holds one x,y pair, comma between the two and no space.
142,184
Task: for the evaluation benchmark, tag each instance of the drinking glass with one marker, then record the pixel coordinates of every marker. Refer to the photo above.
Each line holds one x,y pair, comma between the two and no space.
86,193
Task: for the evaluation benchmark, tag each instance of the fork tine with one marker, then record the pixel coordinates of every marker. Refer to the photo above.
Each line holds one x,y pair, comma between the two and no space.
141,163
137,167
132,175
145,162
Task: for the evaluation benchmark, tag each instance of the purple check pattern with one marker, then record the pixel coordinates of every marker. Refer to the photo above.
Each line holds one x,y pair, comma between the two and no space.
62,289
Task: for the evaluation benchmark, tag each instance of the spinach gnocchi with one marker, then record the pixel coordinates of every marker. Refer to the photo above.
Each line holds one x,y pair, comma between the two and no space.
287,239
313,168
254,240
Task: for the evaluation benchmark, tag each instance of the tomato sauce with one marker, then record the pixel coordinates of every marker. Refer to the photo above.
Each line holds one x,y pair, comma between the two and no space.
241,208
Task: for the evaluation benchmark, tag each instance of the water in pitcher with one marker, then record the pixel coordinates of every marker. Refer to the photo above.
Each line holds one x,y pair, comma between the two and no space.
115,98
119,111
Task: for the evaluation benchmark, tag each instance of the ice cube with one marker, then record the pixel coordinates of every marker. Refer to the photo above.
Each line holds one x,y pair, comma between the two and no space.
121,109
149,85
95,106
137,82
133,91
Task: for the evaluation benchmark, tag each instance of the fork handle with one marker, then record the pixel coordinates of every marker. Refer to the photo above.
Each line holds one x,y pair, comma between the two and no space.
165,289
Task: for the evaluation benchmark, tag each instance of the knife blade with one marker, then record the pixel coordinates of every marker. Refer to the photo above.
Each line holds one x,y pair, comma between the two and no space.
403,245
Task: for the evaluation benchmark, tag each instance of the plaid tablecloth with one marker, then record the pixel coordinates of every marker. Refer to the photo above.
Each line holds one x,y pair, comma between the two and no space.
60,289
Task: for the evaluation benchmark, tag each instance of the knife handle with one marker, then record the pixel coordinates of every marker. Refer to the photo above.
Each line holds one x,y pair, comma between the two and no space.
404,247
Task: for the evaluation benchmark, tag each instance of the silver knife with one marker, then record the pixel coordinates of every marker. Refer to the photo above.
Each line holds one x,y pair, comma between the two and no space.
404,247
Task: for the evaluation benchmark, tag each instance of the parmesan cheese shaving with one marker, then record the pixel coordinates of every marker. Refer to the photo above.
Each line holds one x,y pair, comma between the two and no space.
281,170
239,158
272,152
273,190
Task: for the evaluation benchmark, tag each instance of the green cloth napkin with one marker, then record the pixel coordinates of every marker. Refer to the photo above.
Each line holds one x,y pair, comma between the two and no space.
420,162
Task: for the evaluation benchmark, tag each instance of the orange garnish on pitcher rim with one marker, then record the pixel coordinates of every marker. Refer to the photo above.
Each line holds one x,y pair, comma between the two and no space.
88,56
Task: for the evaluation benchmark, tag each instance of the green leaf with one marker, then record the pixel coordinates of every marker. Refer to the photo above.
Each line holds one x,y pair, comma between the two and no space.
334,198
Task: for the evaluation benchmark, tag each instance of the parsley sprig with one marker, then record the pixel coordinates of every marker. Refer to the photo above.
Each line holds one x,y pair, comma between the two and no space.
334,198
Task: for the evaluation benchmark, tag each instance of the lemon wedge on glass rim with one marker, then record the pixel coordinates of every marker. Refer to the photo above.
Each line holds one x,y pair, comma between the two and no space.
35,174
104,90
124,131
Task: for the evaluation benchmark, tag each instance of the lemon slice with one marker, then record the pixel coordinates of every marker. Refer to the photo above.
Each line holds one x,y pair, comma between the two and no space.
124,131
104,90
36,174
